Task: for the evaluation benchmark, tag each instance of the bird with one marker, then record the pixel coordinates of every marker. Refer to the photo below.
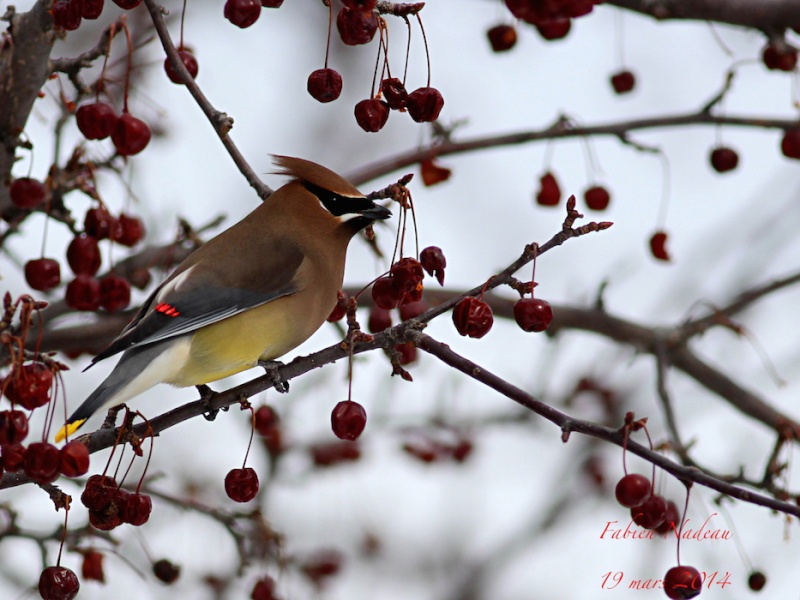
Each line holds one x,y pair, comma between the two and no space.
248,296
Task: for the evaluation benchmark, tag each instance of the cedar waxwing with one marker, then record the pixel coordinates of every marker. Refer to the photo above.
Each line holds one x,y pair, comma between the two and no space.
254,292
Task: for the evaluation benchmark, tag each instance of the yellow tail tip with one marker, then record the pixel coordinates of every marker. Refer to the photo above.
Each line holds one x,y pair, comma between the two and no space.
68,429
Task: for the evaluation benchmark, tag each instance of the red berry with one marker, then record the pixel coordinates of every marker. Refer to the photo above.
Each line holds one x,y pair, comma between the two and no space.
790,143
188,60
92,566
271,3
757,581
73,459
412,310
242,13
671,521
549,193
58,583
324,85
67,14
533,314
130,231
408,353
115,293
166,571
632,490
424,104
502,37
26,192
658,247
42,274
136,509
385,294
356,26
473,317
623,82
264,589
651,513
96,120
241,485
92,9
13,427
99,492
127,4
348,420
326,454
433,173
724,159
41,462
29,385
434,262
371,114
555,29
779,56
379,319
131,135
83,293
340,310
13,457
83,255
394,92
98,223
597,197
322,565
360,4
683,582
266,420
406,273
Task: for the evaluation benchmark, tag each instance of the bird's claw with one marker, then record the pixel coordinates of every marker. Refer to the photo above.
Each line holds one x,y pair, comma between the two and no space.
271,367
206,394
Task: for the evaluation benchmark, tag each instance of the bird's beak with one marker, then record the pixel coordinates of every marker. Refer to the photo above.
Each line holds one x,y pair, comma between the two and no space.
376,212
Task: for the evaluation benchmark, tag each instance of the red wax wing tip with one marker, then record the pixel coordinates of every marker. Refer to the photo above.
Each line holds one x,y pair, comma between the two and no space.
167,309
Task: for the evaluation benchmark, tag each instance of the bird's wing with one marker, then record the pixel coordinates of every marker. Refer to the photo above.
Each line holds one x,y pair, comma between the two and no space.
200,295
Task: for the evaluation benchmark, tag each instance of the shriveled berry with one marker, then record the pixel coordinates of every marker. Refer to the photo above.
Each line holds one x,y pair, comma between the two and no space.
371,114
424,104
502,37
597,197
242,13
73,460
623,82
790,143
13,427
549,193
360,4
83,293
406,273
58,583
131,135
96,120
683,582
632,490
340,310
92,566
533,314
394,92
41,462
67,14
189,61
433,173
136,509
241,485
651,513
348,420
658,245
115,293
385,293
99,492
724,159
356,26
166,571
83,255
92,9
433,261
26,192
324,85
473,317
43,274
29,385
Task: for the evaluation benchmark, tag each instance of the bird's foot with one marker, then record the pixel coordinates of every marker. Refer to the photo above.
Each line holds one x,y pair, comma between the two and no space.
206,394
271,367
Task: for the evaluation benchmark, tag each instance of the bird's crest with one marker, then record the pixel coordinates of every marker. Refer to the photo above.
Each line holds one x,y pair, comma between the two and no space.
316,175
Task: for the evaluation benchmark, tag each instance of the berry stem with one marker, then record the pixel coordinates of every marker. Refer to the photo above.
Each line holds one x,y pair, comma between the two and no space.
427,52
252,431
408,49
183,18
128,69
533,274
683,520
330,26
63,535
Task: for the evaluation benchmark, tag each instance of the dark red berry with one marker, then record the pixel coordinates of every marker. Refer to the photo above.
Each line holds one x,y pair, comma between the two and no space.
658,245
27,192
83,293
67,14
58,583
98,223
385,294
127,4
623,82
549,193
13,457
131,230
327,454
424,104
29,385
83,255
412,310
188,60
356,26
360,4
92,566
115,293
136,509
99,492
73,459
502,37
555,29
266,420
406,273
394,92
322,565
724,159
241,485
651,513
779,56
348,420
371,114
264,589
242,13
92,8
324,85
434,262
408,353
533,314
671,521
271,3
597,197
632,490
790,143
166,571
96,120
379,319
131,135
340,310
13,427
683,582
42,274
756,581
41,462
473,317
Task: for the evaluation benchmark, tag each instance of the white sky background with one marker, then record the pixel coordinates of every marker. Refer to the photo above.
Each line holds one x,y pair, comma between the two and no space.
437,522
